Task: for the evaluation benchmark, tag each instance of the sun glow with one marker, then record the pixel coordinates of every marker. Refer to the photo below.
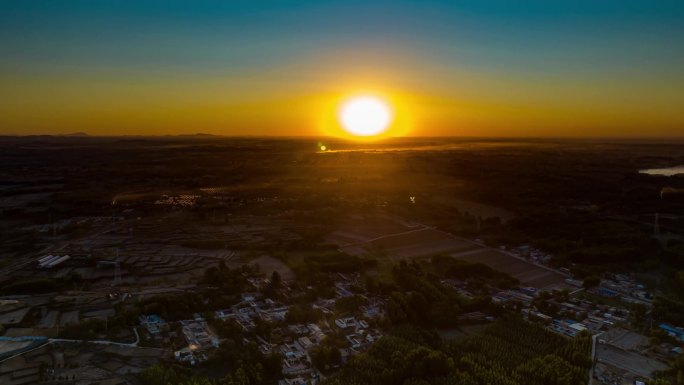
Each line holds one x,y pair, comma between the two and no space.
365,116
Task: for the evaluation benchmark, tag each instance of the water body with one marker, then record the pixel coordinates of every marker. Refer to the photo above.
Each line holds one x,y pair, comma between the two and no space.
669,171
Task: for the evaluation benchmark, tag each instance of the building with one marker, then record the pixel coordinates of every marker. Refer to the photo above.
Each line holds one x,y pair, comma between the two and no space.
198,335
346,323
672,331
154,324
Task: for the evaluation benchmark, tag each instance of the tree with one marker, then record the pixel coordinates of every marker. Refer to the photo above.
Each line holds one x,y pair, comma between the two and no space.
350,304
276,280
371,285
241,377
679,277
547,370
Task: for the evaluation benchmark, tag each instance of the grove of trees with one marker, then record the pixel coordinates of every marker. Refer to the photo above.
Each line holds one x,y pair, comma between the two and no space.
510,352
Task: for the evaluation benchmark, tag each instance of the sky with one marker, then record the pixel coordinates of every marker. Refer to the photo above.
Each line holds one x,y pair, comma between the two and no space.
276,67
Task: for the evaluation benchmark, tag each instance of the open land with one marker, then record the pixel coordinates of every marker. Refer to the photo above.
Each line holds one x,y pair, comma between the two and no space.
171,239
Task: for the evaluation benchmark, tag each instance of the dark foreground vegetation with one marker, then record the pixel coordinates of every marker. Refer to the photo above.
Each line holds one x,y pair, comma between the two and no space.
509,352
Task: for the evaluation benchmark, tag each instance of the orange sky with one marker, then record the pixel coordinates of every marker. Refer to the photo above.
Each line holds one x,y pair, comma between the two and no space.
477,105
448,68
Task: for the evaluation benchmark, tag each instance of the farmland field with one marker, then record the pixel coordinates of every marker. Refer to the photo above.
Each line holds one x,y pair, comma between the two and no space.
420,242
527,273
388,237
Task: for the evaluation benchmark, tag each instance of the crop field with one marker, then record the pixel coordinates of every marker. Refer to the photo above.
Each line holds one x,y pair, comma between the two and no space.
382,236
420,242
527,273
363,228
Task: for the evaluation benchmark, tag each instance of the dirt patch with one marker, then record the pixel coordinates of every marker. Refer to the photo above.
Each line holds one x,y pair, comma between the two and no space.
268,265
635,363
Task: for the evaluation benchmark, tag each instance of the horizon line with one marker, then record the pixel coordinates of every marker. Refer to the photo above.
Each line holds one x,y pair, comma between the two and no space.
201,135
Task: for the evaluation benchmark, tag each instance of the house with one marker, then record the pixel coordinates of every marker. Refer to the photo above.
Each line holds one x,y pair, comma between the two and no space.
578,327
673,331
153,323
346,323
305,343
355,341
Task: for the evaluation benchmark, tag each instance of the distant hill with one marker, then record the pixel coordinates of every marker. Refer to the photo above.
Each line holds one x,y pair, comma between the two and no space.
197,135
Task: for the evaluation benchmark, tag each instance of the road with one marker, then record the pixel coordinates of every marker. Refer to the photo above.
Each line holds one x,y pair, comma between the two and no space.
98,342
104,342
594,338
635,363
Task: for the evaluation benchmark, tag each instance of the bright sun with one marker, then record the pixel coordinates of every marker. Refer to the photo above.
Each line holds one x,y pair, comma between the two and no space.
365,116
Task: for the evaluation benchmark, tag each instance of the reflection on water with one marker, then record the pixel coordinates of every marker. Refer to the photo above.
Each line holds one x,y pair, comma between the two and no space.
669,171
